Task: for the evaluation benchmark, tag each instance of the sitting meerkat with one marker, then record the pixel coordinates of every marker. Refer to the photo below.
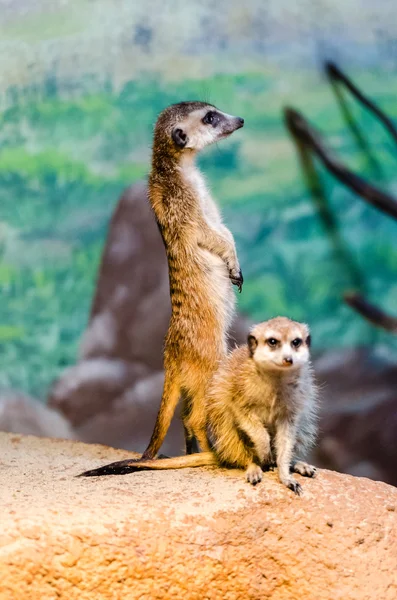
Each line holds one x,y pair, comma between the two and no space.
262,403
260,409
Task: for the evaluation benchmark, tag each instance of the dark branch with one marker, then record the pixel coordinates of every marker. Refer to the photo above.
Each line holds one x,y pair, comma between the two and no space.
335,74
371,312
308,135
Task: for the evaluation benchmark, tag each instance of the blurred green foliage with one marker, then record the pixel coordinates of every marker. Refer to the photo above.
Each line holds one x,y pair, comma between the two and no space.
66,155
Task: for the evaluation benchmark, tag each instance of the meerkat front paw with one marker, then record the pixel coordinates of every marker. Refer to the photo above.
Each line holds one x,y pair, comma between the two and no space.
293,485
303,468
254,474
236,278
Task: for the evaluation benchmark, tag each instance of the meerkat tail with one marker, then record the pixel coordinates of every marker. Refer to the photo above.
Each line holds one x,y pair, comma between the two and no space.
122,467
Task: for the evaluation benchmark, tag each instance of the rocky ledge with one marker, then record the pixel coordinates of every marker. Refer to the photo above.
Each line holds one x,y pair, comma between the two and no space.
191,534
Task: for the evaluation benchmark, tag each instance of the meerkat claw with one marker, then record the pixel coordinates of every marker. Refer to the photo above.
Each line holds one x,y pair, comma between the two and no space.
295,487
254,474
237,279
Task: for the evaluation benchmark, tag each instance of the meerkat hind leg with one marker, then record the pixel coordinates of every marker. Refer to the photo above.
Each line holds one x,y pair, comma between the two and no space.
169,400
303,468
190,442
196,422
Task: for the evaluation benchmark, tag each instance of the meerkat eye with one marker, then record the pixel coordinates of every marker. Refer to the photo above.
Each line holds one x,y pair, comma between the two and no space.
272,342
209,118
296,343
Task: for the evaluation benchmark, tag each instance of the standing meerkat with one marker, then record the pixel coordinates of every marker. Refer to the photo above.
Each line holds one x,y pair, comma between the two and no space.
261,408
202,262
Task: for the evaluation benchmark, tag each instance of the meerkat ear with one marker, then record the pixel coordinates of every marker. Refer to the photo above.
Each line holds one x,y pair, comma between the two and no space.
309,341
252,343
180,138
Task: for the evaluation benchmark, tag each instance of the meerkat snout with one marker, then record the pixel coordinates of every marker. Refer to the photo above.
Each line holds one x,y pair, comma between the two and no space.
230,124
288,360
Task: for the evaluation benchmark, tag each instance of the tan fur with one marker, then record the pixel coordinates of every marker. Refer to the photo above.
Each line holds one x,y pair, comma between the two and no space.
260,409
202,262
122,467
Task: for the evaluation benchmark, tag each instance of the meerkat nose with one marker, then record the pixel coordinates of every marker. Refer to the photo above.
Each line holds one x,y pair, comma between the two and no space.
287,360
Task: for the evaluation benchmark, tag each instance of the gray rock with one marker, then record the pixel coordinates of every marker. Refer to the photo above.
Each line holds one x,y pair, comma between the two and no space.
20,413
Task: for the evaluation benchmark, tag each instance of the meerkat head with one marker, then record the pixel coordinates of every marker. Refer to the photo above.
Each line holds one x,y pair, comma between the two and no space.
192,126
280,344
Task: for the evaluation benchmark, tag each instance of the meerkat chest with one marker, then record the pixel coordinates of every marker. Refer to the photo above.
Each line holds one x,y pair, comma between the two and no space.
260,399
271,410
196,182
271,403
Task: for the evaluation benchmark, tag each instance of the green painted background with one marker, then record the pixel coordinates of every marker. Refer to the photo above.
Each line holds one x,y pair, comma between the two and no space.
81,84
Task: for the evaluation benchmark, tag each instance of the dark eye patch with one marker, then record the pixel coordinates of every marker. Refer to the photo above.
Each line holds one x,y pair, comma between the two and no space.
211,118
272,342
296,343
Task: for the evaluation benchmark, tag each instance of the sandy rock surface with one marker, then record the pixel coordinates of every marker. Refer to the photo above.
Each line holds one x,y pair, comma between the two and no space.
191,534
